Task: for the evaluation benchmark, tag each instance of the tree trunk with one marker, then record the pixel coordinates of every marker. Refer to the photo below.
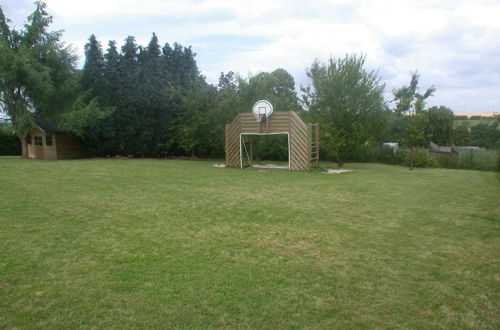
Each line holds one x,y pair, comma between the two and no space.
340,163
24,145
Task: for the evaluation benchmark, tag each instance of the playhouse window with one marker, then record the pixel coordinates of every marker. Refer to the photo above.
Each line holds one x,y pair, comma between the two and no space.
48,140
28,139
38,141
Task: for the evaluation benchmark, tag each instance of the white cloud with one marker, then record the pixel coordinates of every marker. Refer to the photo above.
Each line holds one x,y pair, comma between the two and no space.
453,43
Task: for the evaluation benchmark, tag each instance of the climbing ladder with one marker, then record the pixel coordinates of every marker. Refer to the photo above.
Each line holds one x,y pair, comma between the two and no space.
314,143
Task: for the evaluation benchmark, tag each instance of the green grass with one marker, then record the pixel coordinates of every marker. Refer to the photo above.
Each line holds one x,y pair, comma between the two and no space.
161,244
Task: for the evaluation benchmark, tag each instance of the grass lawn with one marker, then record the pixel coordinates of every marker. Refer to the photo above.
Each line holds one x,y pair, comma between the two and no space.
156,243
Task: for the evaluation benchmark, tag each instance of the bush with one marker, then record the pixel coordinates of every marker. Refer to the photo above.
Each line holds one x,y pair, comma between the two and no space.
498,161
421,158
461,117
9,143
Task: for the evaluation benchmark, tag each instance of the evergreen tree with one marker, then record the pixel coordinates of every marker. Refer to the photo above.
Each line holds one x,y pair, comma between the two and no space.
93,69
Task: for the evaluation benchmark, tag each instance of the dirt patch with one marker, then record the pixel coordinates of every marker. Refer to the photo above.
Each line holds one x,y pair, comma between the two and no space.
281,167
332,171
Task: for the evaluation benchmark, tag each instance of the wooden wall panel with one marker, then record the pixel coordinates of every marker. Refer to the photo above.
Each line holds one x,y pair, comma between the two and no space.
68,146
280,122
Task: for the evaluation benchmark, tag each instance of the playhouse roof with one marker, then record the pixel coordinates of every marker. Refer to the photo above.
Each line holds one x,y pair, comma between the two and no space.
48,126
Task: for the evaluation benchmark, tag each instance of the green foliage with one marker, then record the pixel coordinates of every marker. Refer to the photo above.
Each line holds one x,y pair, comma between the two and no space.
153,96
278,87
440,125
195,129
419,158
36,70
486,135
348,102
461,135
39,78
498,161
270,147
483,160
410,104
9,143
408,99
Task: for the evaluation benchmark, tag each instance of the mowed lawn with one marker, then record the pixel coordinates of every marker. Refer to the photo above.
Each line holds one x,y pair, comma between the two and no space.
170,243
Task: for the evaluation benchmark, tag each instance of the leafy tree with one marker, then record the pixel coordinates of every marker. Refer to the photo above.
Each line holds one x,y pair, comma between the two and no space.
37,70
410,104
227,81
278,87
196,124
348,102
461,134
440,125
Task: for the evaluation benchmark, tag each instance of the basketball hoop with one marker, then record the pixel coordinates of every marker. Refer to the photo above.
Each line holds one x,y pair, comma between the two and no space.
262,110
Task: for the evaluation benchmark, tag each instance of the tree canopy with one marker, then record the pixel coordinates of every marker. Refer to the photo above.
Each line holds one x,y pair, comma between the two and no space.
152,101
37,70
348,101
39,77
411,105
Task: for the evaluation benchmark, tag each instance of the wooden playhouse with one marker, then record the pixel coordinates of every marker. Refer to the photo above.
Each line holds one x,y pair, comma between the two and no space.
46,141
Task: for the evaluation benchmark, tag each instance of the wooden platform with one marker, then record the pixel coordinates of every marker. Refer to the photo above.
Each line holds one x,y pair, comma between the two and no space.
300,138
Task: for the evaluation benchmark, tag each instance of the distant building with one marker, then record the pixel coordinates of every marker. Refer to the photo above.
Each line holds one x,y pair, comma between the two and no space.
469,148
46,141
442,150
393,145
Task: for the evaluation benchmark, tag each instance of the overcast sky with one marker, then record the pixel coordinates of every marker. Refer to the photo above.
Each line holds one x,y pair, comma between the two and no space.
455,45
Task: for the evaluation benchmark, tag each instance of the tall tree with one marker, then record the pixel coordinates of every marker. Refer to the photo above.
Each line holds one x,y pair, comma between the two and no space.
37,70
93,69
410,104
348,102
149,87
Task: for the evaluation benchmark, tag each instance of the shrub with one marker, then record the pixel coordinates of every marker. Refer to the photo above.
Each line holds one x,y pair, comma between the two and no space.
421,158
9,143
498,161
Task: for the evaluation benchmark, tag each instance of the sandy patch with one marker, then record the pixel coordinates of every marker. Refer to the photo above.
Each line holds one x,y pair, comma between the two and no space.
332,171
